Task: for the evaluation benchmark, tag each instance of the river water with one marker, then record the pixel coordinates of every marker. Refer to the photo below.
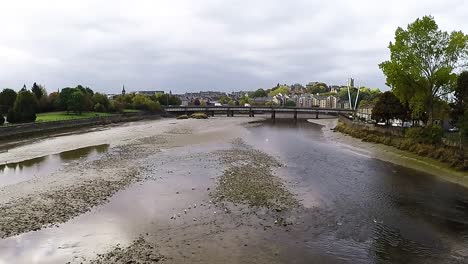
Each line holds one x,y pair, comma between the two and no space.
363,210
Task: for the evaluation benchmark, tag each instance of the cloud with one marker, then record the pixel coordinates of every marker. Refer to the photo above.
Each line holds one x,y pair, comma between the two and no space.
186,45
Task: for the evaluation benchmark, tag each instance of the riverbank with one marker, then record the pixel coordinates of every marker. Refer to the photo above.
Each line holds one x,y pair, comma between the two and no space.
32,130
391,154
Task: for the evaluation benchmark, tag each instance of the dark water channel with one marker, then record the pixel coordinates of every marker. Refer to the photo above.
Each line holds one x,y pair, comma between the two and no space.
363,210
11,173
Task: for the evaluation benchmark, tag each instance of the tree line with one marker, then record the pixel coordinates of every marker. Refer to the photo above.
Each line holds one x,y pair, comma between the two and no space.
22,106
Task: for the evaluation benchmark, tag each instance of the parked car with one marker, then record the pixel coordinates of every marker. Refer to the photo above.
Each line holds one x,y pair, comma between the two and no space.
381,123
454,129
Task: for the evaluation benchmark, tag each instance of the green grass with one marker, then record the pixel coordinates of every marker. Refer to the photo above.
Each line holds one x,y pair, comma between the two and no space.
59,116
131,111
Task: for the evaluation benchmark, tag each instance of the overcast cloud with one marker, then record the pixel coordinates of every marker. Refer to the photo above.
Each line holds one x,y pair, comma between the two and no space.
192,45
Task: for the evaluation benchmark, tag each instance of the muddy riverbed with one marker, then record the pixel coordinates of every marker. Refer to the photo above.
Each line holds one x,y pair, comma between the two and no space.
221,191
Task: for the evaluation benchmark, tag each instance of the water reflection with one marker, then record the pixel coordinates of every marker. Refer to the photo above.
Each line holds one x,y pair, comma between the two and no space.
11,173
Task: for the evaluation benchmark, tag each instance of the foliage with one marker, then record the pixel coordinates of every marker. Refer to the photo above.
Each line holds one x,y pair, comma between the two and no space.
245,100
387,107
2,119
102,100
76,102
422,61
7,100
166,99
459,107
290,103
143,102
38,91
431,134
196,101
282,89
199,116
24,109
258,93
99,108
317,87
116,106
224,99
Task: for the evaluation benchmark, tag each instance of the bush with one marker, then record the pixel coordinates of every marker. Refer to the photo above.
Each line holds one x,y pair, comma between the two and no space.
116,106
427,135
183,117
18,117
99,108
199,116
2,119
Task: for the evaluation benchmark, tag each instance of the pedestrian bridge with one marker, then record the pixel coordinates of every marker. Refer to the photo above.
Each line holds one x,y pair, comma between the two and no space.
231,110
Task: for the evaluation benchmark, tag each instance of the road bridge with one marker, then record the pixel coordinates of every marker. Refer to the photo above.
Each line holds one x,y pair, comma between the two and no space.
231,110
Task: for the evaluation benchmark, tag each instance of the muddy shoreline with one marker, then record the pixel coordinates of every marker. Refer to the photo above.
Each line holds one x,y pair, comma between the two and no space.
391,154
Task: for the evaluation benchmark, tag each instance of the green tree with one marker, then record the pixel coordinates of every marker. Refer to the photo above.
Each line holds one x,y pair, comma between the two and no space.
258,93
24,109
245,100
166,99
7,100
459,108
76,101
282,89
422,61
387,107
38,91
317,87
290,103
102,100
224,99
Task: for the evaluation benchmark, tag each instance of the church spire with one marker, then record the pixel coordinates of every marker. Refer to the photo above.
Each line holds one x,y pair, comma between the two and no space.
123,90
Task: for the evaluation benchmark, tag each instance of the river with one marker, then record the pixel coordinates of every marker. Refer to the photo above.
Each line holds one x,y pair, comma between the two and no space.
355,208
363,209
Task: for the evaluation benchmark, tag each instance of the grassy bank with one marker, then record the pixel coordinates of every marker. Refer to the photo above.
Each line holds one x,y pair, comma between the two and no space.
59,116
447,155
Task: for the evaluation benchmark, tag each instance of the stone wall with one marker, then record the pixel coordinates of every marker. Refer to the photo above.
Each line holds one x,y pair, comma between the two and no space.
28,129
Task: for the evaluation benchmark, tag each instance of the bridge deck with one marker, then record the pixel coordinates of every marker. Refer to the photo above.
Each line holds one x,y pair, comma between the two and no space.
255,109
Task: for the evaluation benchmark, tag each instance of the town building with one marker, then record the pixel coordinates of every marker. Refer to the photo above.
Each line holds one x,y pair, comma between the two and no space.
365,112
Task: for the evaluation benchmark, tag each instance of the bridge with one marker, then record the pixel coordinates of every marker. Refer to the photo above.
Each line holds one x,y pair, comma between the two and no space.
230,110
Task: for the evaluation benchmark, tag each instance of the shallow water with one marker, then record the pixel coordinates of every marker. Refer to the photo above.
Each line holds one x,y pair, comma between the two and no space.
175,181
11,173
363,210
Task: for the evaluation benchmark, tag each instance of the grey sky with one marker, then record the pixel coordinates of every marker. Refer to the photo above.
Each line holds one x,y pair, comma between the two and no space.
204,44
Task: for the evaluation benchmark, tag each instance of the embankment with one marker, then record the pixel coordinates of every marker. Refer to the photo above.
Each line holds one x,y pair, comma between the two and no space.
32,129
449,155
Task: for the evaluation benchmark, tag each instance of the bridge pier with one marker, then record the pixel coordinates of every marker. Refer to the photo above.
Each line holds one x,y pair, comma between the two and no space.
251,113
273,115
316,114
295,115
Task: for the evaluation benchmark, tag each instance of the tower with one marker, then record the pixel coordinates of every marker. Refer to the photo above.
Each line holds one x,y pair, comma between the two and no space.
123,90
